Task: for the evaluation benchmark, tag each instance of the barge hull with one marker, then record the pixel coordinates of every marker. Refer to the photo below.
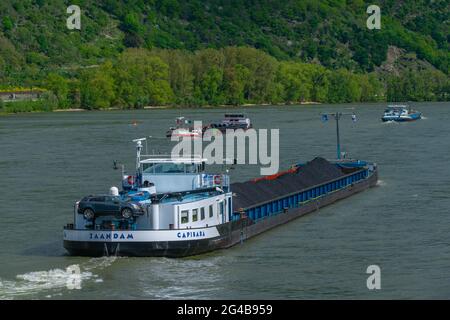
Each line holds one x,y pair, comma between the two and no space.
255,228
172,249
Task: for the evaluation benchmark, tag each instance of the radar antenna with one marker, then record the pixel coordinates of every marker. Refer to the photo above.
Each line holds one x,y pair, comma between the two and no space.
138,153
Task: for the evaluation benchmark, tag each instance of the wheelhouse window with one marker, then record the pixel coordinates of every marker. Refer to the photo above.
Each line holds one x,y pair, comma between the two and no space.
170,167
194,215
211,211
184,216
202,213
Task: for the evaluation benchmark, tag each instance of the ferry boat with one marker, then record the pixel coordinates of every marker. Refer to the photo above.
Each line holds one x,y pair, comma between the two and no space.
232,121
187,211
182,129
400,113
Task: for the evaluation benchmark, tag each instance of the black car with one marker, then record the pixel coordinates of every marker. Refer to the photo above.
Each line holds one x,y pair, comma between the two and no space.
105,205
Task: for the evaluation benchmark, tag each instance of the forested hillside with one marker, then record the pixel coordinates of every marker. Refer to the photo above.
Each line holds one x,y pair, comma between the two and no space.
200,52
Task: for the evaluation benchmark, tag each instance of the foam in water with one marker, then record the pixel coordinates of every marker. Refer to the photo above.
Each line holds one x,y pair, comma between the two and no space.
381,183
390,122
36,282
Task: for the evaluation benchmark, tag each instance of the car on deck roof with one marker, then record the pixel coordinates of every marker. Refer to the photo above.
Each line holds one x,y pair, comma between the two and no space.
94,206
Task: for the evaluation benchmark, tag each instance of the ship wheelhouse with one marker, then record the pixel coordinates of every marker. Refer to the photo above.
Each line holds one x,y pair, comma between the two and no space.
183,195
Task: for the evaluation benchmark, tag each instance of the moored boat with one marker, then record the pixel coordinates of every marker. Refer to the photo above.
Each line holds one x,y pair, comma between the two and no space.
231,121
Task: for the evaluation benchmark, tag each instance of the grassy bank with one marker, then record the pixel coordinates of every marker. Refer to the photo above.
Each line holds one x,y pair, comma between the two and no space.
25,106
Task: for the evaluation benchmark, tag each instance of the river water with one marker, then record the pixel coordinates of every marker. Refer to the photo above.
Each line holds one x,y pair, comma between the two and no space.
50,160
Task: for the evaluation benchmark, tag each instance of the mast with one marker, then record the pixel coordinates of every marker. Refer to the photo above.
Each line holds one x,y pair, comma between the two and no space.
338,139
337,116
138,158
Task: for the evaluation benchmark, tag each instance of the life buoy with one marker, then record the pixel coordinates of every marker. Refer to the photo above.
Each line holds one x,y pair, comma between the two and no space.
130,180
217,179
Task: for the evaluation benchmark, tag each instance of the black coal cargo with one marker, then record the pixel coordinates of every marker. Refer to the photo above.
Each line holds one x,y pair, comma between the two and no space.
254,192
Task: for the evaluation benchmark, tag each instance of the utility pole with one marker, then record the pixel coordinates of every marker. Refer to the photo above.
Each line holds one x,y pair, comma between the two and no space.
337,116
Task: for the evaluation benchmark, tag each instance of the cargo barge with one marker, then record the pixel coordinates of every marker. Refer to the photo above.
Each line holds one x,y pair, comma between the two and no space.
186,211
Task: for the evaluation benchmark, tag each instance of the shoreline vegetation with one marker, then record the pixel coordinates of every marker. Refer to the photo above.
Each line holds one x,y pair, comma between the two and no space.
248,105
76,110
231,76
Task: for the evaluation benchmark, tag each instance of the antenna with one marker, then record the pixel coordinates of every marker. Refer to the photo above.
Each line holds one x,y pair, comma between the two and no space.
139,140
337,116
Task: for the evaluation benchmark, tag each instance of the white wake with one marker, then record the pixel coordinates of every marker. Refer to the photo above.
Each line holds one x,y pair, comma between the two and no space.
37,282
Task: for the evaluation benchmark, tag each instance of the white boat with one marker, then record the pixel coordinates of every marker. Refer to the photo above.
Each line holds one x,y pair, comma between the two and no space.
183,129
400,113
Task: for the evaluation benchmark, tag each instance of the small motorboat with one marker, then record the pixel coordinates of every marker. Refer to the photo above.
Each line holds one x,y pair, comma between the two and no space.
400,113
183,129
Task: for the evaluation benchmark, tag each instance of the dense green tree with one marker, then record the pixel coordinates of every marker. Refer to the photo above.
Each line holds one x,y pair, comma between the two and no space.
180,74
295,81
142,79
8,23
208,66
262,68
210,86
233,75
235,80
2,70
371,87
320,82
133,31
170,8
343,87
74,95
58,85
414,85
49,102
97,90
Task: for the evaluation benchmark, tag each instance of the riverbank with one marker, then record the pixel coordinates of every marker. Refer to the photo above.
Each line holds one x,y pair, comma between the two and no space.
38,106
33,109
